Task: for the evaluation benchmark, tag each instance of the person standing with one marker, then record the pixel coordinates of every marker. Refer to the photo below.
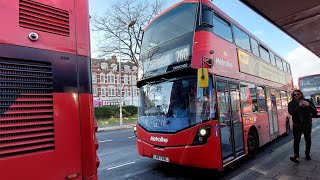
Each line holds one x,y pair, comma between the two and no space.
301,111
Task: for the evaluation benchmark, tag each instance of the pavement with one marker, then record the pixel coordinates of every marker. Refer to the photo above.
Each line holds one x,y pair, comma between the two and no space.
112,128
277,164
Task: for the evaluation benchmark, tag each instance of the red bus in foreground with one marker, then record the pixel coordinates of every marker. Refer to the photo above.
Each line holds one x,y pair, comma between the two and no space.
242,107
310,86
46,116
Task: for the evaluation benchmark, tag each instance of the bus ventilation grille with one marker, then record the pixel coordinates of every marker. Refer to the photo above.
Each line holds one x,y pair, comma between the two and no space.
34,15
26,108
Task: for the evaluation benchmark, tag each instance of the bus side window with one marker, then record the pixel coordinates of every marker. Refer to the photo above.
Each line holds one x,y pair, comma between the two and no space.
248,98
255,47
241,38
284,99
207,16
222,28
278,99
289,70
261,99
272,57
279,63
264,53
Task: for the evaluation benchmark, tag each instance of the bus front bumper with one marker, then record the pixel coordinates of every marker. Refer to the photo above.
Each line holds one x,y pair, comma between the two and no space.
202,156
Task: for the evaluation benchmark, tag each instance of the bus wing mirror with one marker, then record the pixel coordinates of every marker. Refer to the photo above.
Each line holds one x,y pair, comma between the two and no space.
203,77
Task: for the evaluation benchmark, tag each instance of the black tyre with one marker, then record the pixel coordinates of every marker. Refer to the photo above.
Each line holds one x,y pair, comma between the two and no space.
253,143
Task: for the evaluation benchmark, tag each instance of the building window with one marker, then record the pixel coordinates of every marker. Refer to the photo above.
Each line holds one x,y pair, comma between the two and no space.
126,93
102,76
95,91
111,79
111,91
94,77
134,80
103,91
125,79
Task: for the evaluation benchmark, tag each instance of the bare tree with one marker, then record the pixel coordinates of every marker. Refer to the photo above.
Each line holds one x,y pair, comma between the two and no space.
120,27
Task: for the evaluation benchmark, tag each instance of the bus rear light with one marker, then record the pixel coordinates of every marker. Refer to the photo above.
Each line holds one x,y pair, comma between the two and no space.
72,176
97,161
202,135
96,143
95,126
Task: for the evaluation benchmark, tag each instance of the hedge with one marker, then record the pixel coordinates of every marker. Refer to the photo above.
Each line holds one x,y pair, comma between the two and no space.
131,109
106,112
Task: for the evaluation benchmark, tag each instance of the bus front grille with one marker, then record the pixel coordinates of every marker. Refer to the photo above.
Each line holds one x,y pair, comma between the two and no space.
26,108
37,16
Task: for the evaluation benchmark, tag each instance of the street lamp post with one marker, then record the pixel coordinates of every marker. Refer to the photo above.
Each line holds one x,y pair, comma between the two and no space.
131,87
120,83
131,24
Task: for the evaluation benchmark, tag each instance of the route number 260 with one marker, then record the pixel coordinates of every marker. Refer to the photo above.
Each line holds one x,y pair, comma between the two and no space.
182,55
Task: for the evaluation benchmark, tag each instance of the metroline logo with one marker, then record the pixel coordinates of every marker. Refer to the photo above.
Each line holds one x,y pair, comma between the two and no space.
161,139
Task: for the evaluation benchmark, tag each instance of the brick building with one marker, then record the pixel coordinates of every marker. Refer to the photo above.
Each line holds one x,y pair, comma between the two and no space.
105,81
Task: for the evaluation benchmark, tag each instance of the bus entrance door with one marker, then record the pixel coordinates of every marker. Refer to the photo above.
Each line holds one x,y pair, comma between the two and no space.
272,113
230,120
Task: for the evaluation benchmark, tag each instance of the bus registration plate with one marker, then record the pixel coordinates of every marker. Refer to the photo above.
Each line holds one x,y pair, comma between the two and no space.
161,158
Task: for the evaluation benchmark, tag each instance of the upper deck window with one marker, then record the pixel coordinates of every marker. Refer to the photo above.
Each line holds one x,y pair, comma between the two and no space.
285,67
279,63
273,60
255,47
222,28
289,70
175,23
207,16
241,38
264,53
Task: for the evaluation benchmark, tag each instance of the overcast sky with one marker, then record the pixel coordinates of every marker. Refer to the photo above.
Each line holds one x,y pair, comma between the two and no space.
302,61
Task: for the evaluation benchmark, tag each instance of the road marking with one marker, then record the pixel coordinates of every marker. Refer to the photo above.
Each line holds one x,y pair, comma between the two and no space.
131,137
108,140
114,167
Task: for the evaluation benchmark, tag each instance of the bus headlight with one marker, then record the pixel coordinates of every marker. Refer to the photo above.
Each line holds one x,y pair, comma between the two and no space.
203,132
202,135
135,130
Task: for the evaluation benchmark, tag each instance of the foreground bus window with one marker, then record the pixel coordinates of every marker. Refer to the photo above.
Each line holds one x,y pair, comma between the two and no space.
243,107
47,129
172,106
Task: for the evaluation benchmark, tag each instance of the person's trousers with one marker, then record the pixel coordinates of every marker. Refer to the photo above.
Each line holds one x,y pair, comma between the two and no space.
297,132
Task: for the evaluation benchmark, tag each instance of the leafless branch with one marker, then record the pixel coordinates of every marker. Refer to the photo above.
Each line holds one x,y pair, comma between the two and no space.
122,22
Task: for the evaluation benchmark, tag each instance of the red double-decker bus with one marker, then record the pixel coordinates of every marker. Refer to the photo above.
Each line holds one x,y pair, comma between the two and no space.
46,110
310,86
213,116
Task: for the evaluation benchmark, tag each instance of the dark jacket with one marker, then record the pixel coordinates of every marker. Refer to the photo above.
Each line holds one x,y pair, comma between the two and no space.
301,114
